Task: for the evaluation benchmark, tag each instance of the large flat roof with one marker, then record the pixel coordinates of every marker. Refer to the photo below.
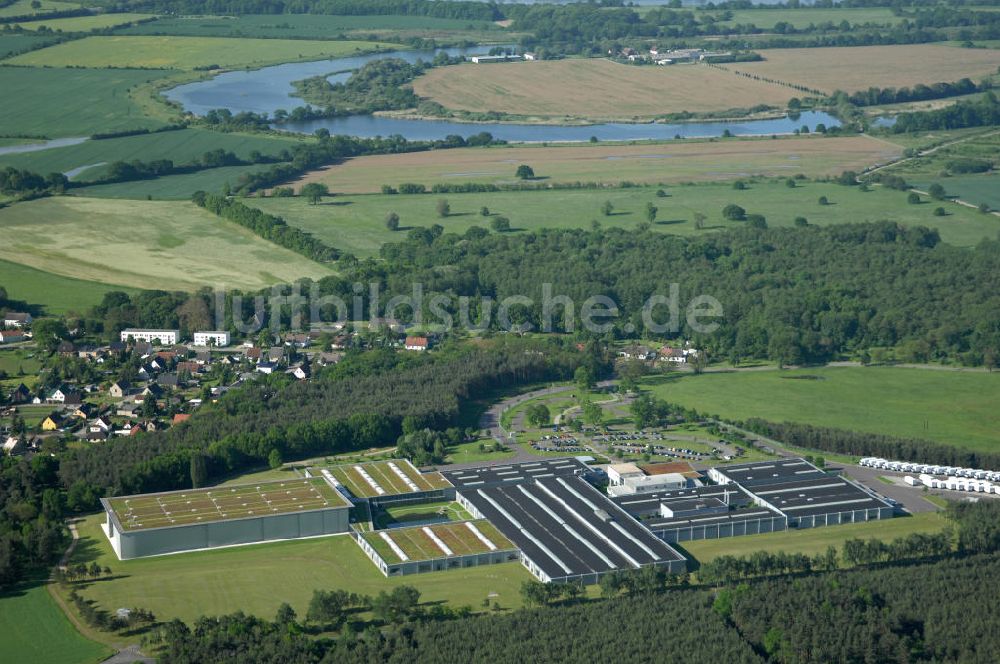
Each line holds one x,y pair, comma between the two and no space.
823,495
398,545
647,507
377,479
770,472
566,527
517,472
222,503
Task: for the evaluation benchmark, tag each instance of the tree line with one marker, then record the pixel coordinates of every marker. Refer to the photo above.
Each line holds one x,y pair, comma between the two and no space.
982,112
267,226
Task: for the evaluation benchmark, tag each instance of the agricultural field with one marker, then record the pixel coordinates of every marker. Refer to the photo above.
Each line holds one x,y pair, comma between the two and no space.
802,17
594,89
816,540
306,26
952,407
85,23
647,163
11,44
57,294
24,8
154,52
204,583
181,147
170,187
72,102
143,244
974,189
356,223
850,68
36,630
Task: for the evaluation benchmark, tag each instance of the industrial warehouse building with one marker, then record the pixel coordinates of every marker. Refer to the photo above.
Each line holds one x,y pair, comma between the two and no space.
173,521
565,528
387,482
708,512
804,493
440,546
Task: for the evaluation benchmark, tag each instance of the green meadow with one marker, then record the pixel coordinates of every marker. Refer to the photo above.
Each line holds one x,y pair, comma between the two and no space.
356,223
975,189
85,23
166,52
952,407
11,44
36,630
182,147
802,17
71,102
301,26
171,187
144,244
816,540
189,585
57,294
24,8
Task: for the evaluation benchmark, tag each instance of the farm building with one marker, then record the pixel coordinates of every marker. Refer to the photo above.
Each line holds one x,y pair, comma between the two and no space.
441,546
190,519
385,482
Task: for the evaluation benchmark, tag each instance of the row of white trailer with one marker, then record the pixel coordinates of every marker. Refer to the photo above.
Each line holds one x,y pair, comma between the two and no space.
930,469
954,484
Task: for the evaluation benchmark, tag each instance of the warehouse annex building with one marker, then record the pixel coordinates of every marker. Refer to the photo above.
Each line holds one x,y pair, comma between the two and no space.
191,519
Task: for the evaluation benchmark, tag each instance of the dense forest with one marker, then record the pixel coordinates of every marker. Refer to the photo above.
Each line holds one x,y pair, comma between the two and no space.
982,112
880,610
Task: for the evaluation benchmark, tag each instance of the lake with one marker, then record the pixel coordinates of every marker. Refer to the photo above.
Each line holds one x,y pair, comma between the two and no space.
268,89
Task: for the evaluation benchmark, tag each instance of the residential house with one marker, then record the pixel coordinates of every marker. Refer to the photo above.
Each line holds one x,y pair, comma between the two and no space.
252,354
180,417
188,367
20,394
416,343
297,339
127,408
203,357
267,367
637,353
216,338
66,348
11,336
300,371
167,380
16,319
118,390
65,396
84,411
99,424
51,423
14,445
276,355
326,359
341,342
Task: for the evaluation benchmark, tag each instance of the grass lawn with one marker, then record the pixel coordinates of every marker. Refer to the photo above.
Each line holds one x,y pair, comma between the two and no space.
71,102
35,630
18,43
207,582
188,52
849,68
952,407
56,293
469,452
356,223
181,147
975,189
423,513
12,359
24,8
300,26
144,244
85,23
594,89
171,187
816,540
650,163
